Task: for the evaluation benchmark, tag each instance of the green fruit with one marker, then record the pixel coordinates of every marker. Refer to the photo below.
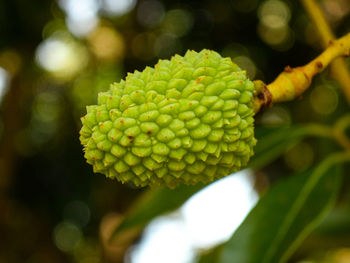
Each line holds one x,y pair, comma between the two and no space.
188,120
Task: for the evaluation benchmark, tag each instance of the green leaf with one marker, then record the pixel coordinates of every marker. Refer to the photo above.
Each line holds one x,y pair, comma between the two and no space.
153,203
282,218
272,142
210,256
159,201
336,224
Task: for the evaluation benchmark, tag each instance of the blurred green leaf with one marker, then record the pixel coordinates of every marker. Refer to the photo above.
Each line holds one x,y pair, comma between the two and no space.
336,224
154,203
211,256
272,142
284,216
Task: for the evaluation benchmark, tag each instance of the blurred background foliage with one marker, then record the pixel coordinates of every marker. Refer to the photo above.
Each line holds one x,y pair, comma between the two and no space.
55,56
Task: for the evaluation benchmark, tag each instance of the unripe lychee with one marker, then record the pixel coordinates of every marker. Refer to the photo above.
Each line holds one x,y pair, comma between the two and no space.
187,120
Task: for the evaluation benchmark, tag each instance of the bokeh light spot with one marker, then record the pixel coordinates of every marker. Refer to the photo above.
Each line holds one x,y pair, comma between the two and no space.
273,27
335,9
77,213
234,50
274,13
53,54
247,64
166,45
107,44
47,110
82,27
299,157
47,107
177,22
117,7
61,55
142,46
281,38
66,236
150,13
324,99
81,15
79,9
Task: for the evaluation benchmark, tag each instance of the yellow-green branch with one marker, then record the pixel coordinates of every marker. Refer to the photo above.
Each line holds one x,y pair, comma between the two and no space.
338,67
292,82
339,132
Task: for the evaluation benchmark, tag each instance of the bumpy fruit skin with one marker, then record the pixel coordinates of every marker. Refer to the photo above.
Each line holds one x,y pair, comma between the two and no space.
187,120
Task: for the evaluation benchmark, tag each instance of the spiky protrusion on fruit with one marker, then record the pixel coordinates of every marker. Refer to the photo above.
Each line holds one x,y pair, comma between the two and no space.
187,120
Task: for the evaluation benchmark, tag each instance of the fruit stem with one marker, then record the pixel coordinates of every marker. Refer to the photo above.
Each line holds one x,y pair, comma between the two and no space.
292,82
338,67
